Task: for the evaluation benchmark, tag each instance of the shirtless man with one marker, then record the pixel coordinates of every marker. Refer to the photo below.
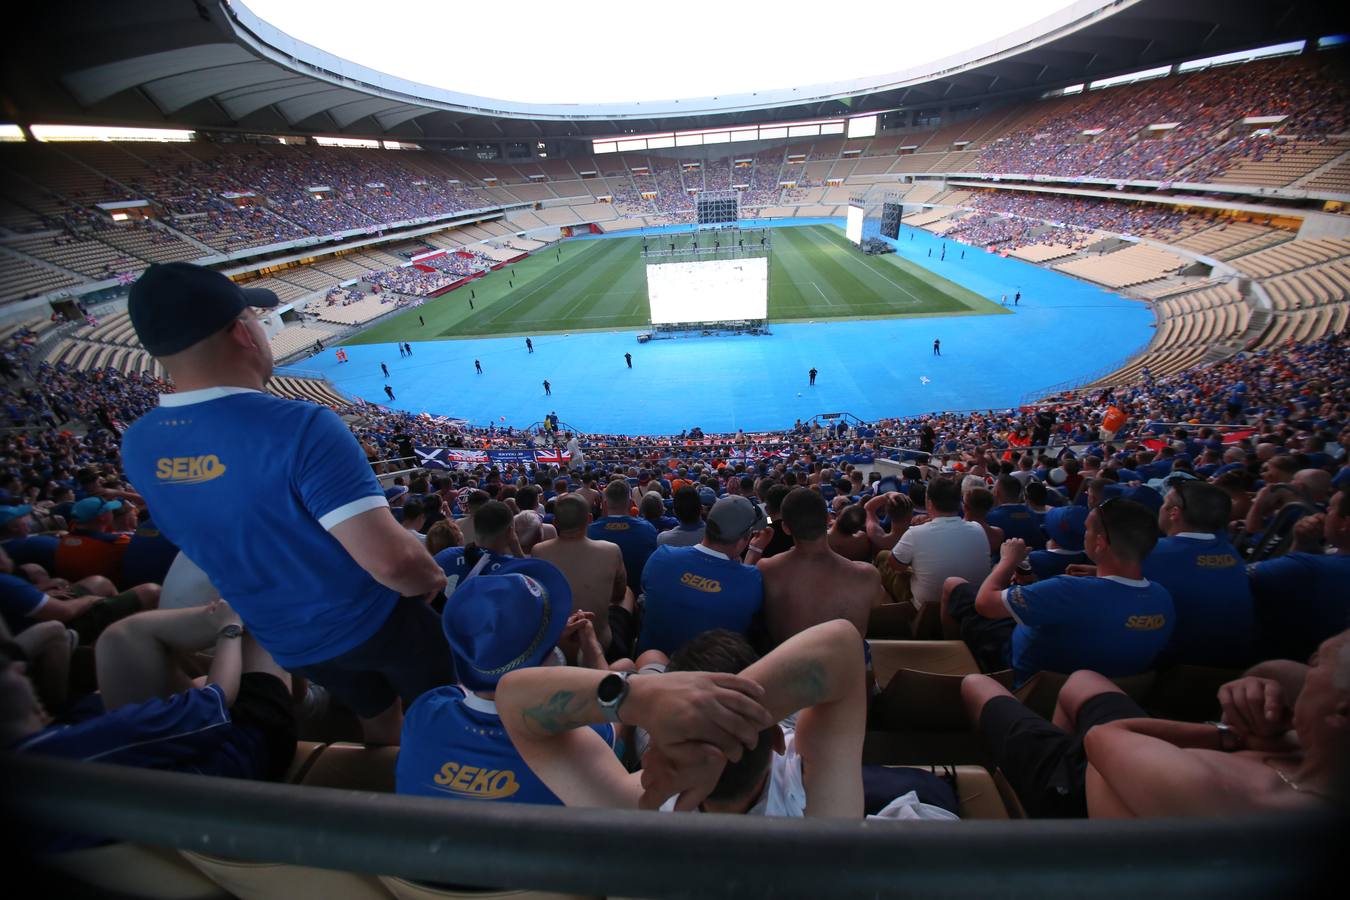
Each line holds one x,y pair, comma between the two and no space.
898,508
810,583
977,502
1284,746
594,570
848,535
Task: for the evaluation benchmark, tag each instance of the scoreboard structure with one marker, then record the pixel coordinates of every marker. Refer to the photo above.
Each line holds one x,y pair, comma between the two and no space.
717,207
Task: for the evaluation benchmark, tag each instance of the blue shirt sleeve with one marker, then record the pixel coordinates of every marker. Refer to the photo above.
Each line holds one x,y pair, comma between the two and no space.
18,600
332,475
1051,602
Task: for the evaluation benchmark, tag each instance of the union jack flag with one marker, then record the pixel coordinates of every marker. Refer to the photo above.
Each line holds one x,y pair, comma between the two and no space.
126,277
552,457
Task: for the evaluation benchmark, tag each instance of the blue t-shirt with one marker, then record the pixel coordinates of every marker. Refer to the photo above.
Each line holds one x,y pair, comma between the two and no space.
18,601
456,567
690,590
454,745
148,556
1018,521
1109,626
636,539
1301,600
36,548
1049,564
1208,584
249,485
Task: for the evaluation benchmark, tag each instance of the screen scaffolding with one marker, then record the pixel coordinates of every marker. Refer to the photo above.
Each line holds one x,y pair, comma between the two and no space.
718,207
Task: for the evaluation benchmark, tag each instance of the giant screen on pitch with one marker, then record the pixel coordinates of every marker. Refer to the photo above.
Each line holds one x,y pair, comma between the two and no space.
853,226
724,290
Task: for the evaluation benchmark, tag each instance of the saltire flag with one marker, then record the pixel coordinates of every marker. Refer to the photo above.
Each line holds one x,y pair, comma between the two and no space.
448,458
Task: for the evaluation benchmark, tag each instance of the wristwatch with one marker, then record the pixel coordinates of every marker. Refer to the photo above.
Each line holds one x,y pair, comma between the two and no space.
230,631
610,694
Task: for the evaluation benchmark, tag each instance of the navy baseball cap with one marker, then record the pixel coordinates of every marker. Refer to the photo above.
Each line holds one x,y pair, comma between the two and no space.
176,305
506,619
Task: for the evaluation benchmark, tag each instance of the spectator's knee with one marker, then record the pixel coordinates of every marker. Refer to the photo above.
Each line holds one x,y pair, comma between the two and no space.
1082,686
652,658
950,585
148,594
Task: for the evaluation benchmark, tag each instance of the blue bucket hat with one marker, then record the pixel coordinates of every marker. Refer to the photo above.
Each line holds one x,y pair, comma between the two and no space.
507,619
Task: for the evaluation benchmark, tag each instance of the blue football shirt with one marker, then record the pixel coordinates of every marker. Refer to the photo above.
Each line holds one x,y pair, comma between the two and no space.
18,601
1018,521
35,548
1208,584
249,485
456,567
690,590
1114,626
1301,600
454,745
636,539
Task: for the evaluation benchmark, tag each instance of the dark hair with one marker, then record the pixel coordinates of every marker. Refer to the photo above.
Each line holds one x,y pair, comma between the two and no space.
1203,506
944,492
413,508
476,499
918,492
726,651
851,520
1009,486
527,497
688,506
491,521
1036,492
774,498
1131,528
979,500
617,492
570,512
806,514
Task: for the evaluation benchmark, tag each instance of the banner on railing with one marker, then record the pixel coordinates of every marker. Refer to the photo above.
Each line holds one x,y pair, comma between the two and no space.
512,457
449,458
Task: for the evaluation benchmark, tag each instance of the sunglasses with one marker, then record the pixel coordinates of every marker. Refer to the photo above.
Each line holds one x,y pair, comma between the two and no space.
1101,516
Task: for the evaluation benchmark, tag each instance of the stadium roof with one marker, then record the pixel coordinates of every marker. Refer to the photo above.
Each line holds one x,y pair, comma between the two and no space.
213,64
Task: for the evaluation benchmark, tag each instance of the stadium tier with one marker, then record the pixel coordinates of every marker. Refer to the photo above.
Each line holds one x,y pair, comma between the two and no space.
971,450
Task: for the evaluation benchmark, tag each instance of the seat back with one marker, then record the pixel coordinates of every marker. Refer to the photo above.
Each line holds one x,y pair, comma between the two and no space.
938,657
412,890
249,880
136,870
355,767
924,701
891,621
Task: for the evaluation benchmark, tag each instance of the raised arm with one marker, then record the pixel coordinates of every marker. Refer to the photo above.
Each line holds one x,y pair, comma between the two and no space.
989,600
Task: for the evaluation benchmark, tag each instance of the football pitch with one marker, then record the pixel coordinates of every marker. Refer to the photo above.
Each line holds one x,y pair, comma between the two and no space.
815,274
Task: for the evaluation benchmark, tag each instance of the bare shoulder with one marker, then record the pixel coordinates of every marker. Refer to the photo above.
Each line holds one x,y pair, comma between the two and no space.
863,571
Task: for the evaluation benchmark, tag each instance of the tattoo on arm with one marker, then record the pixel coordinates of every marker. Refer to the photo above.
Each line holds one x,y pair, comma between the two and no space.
807,678
559,713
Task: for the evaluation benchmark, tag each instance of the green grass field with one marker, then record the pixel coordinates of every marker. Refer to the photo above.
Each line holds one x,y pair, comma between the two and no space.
815,274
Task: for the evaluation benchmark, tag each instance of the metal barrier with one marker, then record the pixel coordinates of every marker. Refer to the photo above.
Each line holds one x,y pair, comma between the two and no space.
644,854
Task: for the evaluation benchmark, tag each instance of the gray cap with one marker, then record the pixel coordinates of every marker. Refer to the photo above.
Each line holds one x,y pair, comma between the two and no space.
733,517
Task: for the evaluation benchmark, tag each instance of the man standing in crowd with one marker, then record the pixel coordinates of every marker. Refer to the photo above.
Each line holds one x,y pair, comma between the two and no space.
282,474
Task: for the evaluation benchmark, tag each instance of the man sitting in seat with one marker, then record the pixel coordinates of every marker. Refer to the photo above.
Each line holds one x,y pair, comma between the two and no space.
1065,527
1115,623
945,546
635,537
237,721
594,572
810,583
453,745
86,608
495,543
91,547
1283,747
690,590
716,744
1301,598
1012,515
1204,574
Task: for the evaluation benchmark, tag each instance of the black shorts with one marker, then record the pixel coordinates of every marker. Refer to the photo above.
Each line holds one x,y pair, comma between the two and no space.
96,619
622,633
1046,765
265,708
407,657
989,640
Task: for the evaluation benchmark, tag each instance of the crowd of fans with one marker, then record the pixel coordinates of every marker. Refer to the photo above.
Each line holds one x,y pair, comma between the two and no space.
1199,519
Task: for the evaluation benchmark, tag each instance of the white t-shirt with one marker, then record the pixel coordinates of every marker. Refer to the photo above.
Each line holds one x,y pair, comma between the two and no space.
785,794
946,547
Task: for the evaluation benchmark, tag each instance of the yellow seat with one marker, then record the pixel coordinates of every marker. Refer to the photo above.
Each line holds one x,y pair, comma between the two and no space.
249,880
411,890
136,870
938,657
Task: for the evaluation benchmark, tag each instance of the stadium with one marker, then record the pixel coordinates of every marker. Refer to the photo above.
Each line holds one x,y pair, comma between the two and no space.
962,445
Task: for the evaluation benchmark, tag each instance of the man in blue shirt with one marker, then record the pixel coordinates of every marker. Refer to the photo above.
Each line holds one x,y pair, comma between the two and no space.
1065,527
23,547
1115,623
1012,515
690,590
276,502
510,618
1205,576
237,722
635,537
1304,598
494,545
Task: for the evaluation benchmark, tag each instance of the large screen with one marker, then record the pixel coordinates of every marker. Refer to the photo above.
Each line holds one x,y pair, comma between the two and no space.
853,228
722,290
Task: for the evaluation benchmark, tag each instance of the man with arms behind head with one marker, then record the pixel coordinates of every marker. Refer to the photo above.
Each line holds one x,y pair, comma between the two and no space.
810,583
594,572
715,742
319,570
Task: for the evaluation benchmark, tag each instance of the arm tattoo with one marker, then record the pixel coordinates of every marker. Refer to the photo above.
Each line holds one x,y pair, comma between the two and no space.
807,678
559,713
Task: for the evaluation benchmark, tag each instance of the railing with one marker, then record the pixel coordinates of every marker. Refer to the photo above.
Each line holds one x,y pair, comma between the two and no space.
645,854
